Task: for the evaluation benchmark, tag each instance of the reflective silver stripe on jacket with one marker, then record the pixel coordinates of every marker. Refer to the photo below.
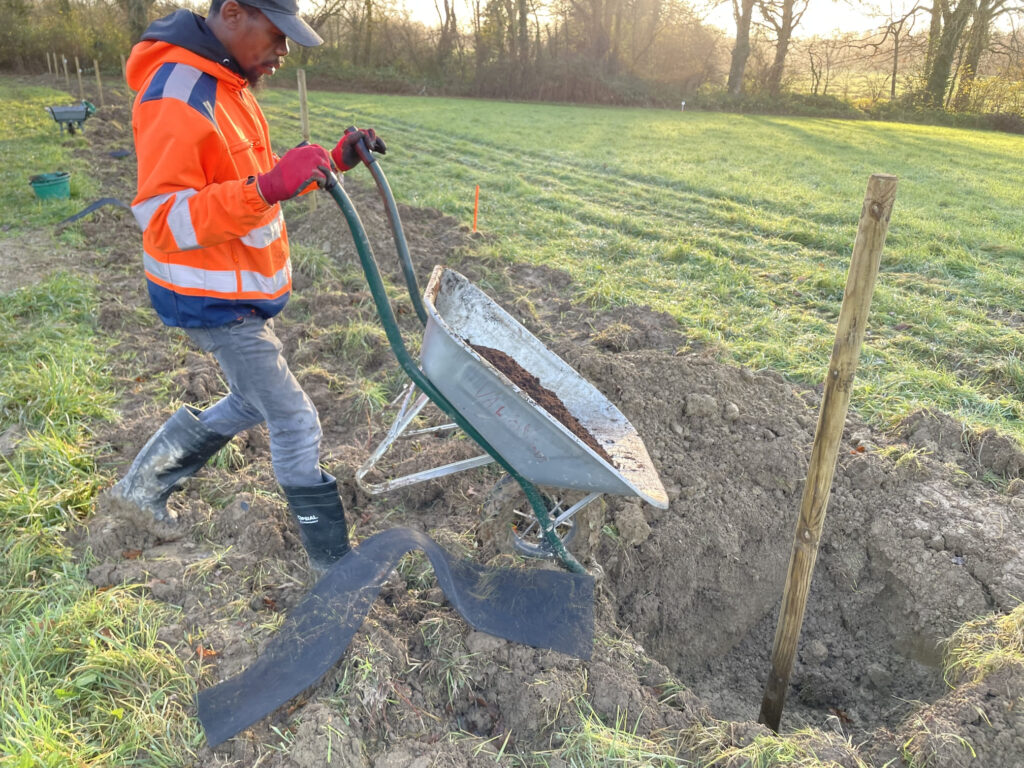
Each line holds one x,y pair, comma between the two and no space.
181,82
261,237
224,281
179,217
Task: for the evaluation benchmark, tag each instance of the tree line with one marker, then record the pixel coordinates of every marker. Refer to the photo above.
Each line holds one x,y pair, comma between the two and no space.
953,55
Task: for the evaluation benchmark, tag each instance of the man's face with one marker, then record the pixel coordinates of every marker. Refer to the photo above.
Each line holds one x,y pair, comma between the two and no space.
257,45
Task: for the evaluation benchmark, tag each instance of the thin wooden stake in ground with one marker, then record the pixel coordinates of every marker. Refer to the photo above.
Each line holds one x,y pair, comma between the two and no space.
99,83
860,284
81,90
304,118
303,104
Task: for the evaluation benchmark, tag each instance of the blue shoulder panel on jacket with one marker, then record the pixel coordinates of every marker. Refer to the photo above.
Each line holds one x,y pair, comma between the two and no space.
156,84
184,83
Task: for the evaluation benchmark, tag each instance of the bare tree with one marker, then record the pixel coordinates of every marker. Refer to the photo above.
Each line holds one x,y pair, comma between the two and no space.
742,11
320,18
953,18
824,56
448,34
783,16
894,33
977,43
136,13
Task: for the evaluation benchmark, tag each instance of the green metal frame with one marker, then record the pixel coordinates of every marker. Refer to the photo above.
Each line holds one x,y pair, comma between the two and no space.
394,336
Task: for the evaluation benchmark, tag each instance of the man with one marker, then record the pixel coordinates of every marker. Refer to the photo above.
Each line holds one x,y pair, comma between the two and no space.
216,248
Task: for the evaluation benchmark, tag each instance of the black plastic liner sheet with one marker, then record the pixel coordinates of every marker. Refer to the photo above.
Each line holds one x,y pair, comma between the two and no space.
538,607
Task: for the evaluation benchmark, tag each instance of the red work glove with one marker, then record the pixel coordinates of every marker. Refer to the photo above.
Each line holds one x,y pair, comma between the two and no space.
294,172
344,154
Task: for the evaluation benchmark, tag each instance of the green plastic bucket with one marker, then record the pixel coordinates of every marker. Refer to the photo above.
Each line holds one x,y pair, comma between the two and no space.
49,186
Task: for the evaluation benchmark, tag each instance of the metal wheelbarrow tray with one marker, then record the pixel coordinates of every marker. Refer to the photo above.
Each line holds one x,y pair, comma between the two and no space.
539,446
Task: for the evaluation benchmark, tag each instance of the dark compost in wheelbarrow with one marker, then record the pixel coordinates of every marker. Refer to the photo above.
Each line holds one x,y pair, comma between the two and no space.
541,395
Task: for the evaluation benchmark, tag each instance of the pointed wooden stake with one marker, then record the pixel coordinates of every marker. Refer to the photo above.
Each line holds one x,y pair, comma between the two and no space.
835,402
99,83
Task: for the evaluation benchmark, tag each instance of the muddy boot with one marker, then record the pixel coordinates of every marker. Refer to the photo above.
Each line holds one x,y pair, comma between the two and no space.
177,451
321,519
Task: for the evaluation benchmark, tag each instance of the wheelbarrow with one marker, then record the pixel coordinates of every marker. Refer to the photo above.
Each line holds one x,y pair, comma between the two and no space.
72,117
532,446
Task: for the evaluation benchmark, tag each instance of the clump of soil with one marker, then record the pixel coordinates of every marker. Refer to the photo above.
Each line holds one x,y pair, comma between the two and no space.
541,395
915,540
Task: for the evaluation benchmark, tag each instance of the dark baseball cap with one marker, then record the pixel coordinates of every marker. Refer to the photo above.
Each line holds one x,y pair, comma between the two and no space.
285,15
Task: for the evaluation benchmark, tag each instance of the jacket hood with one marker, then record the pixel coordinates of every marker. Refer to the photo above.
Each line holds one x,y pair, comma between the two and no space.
188,32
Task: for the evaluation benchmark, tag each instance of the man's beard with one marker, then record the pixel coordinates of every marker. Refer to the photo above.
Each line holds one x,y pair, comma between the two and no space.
255,78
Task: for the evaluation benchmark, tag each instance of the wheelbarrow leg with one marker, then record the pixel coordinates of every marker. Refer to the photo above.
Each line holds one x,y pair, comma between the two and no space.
406,413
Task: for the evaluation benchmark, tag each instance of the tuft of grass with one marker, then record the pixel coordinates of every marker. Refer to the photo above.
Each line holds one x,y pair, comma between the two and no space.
719,745
416,570
982,646
929,747
596,745
50,364
450,664
314,263
365,689
905,457
230,457
361,338
369,397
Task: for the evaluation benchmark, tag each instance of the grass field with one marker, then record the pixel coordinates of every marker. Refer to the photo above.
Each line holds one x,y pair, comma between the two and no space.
741,227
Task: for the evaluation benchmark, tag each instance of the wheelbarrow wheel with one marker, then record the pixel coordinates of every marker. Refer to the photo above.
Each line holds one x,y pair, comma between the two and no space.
508,518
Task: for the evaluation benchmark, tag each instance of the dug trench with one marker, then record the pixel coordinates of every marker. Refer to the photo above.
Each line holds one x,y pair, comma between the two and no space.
916,541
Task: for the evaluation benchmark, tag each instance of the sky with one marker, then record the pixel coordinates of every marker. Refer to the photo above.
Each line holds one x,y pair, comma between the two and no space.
821,18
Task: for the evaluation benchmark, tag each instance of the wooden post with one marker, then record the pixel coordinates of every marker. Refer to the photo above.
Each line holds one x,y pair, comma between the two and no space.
124,69
853,316
49,69
56,68
78,70
304,119
303,104
99,85
67,78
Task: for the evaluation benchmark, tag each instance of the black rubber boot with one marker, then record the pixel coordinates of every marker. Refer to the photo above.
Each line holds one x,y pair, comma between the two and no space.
178,450
321,519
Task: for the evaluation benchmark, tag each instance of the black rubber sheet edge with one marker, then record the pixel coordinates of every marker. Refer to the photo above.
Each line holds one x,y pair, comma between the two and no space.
92,207
537,607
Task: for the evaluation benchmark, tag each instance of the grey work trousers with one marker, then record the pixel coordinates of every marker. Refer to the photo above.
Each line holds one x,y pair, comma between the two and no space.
263,389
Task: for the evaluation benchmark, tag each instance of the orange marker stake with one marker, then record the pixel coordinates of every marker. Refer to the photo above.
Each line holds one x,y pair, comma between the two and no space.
476,206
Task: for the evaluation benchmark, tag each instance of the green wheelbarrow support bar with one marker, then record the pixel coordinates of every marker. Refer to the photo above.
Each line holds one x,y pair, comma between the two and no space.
412,370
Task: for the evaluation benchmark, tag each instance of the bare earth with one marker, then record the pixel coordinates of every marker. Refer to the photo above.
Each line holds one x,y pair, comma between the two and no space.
913,546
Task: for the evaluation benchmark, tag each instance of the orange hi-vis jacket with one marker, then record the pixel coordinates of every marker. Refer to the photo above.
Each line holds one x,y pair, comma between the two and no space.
213,250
